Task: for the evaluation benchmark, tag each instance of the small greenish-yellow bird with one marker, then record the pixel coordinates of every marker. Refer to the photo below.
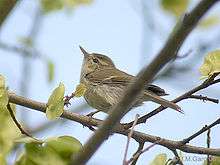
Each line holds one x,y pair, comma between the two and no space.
105,84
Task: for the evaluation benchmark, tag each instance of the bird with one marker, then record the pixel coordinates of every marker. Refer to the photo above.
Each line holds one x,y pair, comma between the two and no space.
105,84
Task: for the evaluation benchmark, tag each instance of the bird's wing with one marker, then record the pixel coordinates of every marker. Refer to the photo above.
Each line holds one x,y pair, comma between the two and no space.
111,76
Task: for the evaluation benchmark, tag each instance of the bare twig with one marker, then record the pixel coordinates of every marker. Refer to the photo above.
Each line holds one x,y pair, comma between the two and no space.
177,158
128,140
184,96
23,51
204,98
205,128
142,151
135,158
68,98
17,123
208,146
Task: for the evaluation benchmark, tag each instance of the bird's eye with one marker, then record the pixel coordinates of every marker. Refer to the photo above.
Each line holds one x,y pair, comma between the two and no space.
95,60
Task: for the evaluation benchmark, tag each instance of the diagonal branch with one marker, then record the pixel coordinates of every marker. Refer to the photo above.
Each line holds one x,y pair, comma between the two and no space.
177,159
184,96
125,162
140,152
135,157
17,123
205,128
168,52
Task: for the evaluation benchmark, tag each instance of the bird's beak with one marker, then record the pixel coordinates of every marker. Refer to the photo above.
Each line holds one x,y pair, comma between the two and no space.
85,53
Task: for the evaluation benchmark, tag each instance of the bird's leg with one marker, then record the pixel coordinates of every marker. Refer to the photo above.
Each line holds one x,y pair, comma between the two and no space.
68,98
92,113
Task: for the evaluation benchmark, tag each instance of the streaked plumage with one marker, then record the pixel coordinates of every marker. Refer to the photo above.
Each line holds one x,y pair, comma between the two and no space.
106,84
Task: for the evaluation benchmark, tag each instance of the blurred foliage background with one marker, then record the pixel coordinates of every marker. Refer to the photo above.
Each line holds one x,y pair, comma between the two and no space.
39,48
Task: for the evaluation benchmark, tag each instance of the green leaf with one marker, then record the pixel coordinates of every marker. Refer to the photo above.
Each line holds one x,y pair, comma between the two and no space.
3,93
21,160
65,146
3,97
2,81
55,103
176,7
42,155
8,130
57,150
55,5
57,94
159,160
80,90
50,70
51,5
27,140
2,160
215,160
211,64
55,110
209,21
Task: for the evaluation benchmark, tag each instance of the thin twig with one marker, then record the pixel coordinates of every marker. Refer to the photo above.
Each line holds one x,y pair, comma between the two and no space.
128,140
68,98
205,128
17,123
135,158
184,96
208,145
204,98
143,151
23,51
177,158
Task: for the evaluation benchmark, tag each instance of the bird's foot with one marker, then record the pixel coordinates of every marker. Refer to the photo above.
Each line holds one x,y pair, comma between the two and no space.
67,99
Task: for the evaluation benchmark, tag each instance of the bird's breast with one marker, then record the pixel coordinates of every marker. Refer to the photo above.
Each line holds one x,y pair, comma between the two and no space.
103,97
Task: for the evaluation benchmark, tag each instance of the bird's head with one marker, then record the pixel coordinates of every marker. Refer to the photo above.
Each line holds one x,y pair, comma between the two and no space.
94,61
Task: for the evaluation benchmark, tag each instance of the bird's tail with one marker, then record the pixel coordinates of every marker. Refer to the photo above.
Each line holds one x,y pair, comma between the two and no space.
163,102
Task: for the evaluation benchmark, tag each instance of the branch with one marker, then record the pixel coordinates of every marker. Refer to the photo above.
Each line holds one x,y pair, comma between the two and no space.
168,52
205,128
138,153
17,123
22,50
177,158
208,146
184,96
204,98
134,157
120,129
125,162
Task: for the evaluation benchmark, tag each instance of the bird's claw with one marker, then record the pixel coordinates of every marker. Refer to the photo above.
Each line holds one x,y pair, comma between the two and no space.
67,101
